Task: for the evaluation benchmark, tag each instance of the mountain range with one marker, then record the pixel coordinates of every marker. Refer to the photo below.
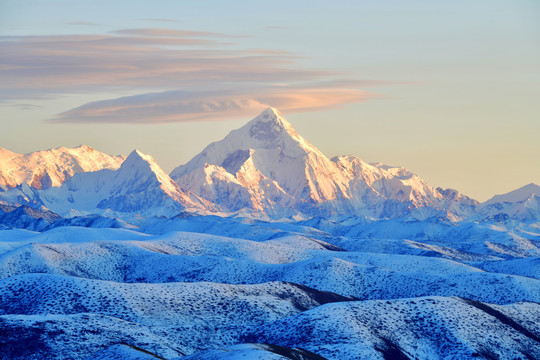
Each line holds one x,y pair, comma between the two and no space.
263,170
45,169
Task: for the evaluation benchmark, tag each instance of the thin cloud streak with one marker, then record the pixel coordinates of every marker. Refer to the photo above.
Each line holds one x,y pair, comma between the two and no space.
182,75
160,32
27,106
82,23
161,20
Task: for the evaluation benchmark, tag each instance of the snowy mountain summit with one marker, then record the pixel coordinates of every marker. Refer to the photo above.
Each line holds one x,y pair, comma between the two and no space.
267,168
140,183
49,168
263,166
138,186
522,194
520,204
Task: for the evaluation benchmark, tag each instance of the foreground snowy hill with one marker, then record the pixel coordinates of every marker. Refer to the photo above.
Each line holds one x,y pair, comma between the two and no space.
193,316
185,257
44,169
124,352
255,351
190,304
419,328
147,289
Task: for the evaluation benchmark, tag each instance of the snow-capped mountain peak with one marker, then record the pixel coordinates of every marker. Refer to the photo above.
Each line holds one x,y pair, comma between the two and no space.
140,183
137,160
522,204
269,125
141,167
268,133
6,155
518,195
270,129
138,186
277,165
281,170
51,168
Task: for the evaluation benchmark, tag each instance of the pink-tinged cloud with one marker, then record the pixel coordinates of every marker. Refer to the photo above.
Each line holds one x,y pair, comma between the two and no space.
182,75
33,65
180,106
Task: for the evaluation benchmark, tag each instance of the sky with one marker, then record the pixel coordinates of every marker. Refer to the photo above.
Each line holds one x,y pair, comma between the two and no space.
448,89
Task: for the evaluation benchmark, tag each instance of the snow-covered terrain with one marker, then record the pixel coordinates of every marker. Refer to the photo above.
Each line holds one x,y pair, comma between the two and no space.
260,248
43,169
256,352
421,328
139,186
518,195
522,204
178,293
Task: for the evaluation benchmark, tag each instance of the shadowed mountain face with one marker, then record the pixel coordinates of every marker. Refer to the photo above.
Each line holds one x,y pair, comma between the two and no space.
25,217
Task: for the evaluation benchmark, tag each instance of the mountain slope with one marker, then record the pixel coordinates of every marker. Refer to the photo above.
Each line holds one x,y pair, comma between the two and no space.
415,328
255,351
276,166
166,319
522,204
48,168
139,186
76,337
190,304
266,168
124,352
186,257
419,328
518,195
25,217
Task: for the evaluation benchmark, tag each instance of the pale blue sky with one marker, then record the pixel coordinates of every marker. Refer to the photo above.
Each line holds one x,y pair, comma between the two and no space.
448,89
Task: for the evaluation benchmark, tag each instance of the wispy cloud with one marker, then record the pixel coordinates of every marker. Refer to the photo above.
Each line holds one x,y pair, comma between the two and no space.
27,106
277,27
182,75
82,23
160,32
161,20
